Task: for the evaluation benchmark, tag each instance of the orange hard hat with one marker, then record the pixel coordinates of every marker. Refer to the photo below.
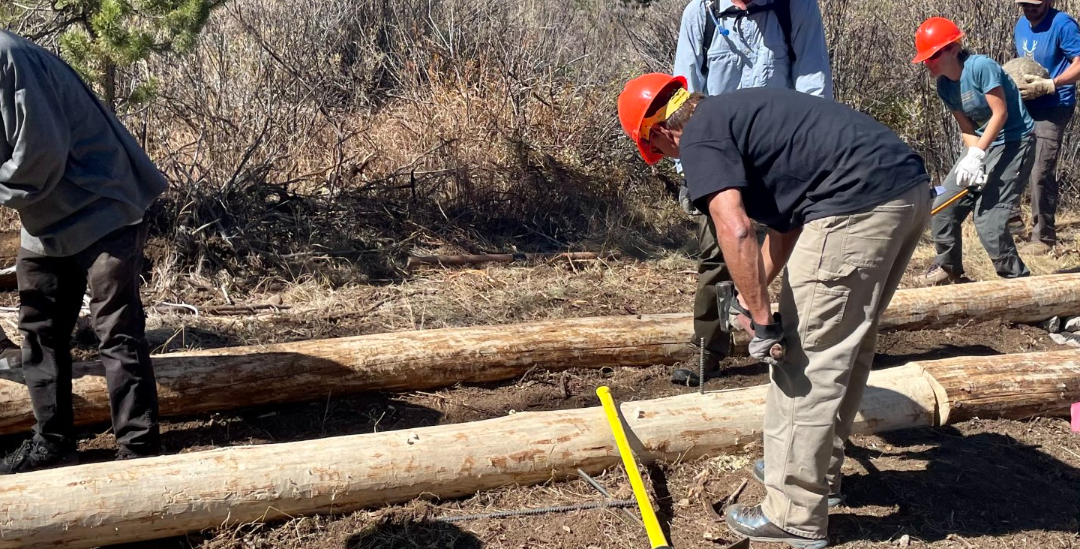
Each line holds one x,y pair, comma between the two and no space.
933,35
635,102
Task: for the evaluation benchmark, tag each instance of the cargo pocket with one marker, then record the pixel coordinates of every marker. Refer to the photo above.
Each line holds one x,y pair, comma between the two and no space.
826,315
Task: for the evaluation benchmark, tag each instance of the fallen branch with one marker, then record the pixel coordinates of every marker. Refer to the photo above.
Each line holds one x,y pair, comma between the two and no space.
243,309
455,260
224,310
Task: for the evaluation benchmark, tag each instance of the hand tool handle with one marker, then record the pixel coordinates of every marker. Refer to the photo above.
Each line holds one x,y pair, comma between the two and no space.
648,516
949,202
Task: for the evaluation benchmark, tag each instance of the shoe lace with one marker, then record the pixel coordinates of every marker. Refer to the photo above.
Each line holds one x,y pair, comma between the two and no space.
19,456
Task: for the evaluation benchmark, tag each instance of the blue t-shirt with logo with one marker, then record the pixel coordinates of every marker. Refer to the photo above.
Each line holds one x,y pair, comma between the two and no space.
1053,44
981,75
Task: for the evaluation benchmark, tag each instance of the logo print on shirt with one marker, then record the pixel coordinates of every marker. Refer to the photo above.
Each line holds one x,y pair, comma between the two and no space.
1030,52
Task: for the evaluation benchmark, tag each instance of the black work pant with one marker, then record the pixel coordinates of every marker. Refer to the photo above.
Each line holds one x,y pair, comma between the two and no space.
51,294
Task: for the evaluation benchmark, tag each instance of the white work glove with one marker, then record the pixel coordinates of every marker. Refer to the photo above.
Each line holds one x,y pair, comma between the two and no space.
1035,86
969,171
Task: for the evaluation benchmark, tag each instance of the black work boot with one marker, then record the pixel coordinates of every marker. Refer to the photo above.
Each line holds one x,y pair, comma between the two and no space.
758,472
751,522
149,450
33,455
689,376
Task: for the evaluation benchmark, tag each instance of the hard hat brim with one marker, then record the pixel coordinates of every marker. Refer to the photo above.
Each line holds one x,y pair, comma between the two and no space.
924,55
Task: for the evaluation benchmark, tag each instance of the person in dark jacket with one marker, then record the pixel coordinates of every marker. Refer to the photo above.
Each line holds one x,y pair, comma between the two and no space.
81,185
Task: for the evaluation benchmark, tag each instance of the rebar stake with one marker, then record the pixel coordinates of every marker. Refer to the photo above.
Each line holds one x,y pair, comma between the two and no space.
701,367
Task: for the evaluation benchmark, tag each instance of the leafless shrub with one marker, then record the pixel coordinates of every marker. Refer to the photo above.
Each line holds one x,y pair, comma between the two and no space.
370,128
299,126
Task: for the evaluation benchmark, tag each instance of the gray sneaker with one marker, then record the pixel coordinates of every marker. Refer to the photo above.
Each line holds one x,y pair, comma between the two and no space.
758,472
936,276
10,355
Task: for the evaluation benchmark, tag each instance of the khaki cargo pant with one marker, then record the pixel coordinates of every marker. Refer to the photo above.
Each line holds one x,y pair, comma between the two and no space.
840,278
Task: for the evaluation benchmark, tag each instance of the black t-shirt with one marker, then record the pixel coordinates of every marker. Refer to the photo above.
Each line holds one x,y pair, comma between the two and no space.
796,157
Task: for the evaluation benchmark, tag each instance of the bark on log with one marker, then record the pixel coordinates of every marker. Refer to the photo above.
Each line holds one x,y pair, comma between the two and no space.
109,503
234,377
456,260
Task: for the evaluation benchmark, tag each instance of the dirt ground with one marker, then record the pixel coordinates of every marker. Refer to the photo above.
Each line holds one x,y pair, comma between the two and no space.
980,484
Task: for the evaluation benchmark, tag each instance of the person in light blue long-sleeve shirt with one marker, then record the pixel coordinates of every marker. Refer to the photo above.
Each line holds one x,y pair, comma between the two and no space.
749,49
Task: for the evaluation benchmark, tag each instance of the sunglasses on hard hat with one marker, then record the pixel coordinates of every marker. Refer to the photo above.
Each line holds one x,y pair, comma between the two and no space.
678,97
647,125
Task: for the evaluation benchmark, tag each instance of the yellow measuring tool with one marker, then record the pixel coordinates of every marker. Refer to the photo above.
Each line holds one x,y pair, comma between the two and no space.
648,516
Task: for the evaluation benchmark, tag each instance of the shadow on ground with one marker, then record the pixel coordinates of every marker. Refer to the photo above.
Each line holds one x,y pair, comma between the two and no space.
942,483
411,534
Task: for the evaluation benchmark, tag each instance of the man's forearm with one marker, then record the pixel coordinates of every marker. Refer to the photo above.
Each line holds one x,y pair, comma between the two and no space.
744,261
1069,75
776,250
969,140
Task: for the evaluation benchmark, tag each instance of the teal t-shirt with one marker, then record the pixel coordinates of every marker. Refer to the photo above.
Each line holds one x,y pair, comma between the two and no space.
981,75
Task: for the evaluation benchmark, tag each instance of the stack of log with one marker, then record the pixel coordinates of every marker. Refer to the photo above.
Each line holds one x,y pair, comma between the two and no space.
108,503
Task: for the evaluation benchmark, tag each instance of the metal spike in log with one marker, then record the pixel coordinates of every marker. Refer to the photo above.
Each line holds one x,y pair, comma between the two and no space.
119,502
234,377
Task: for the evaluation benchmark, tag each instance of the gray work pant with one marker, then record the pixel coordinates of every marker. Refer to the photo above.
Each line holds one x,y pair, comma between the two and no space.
51,294
1050,127
1007,168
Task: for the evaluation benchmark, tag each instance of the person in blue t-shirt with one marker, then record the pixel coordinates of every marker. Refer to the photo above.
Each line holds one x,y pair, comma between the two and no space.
1052,39
999,149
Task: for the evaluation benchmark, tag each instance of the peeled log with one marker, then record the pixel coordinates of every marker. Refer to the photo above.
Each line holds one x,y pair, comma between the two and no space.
121,502
233,377
222,379
1021,301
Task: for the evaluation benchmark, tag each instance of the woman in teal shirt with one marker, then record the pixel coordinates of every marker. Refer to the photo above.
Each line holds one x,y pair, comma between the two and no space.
999,151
